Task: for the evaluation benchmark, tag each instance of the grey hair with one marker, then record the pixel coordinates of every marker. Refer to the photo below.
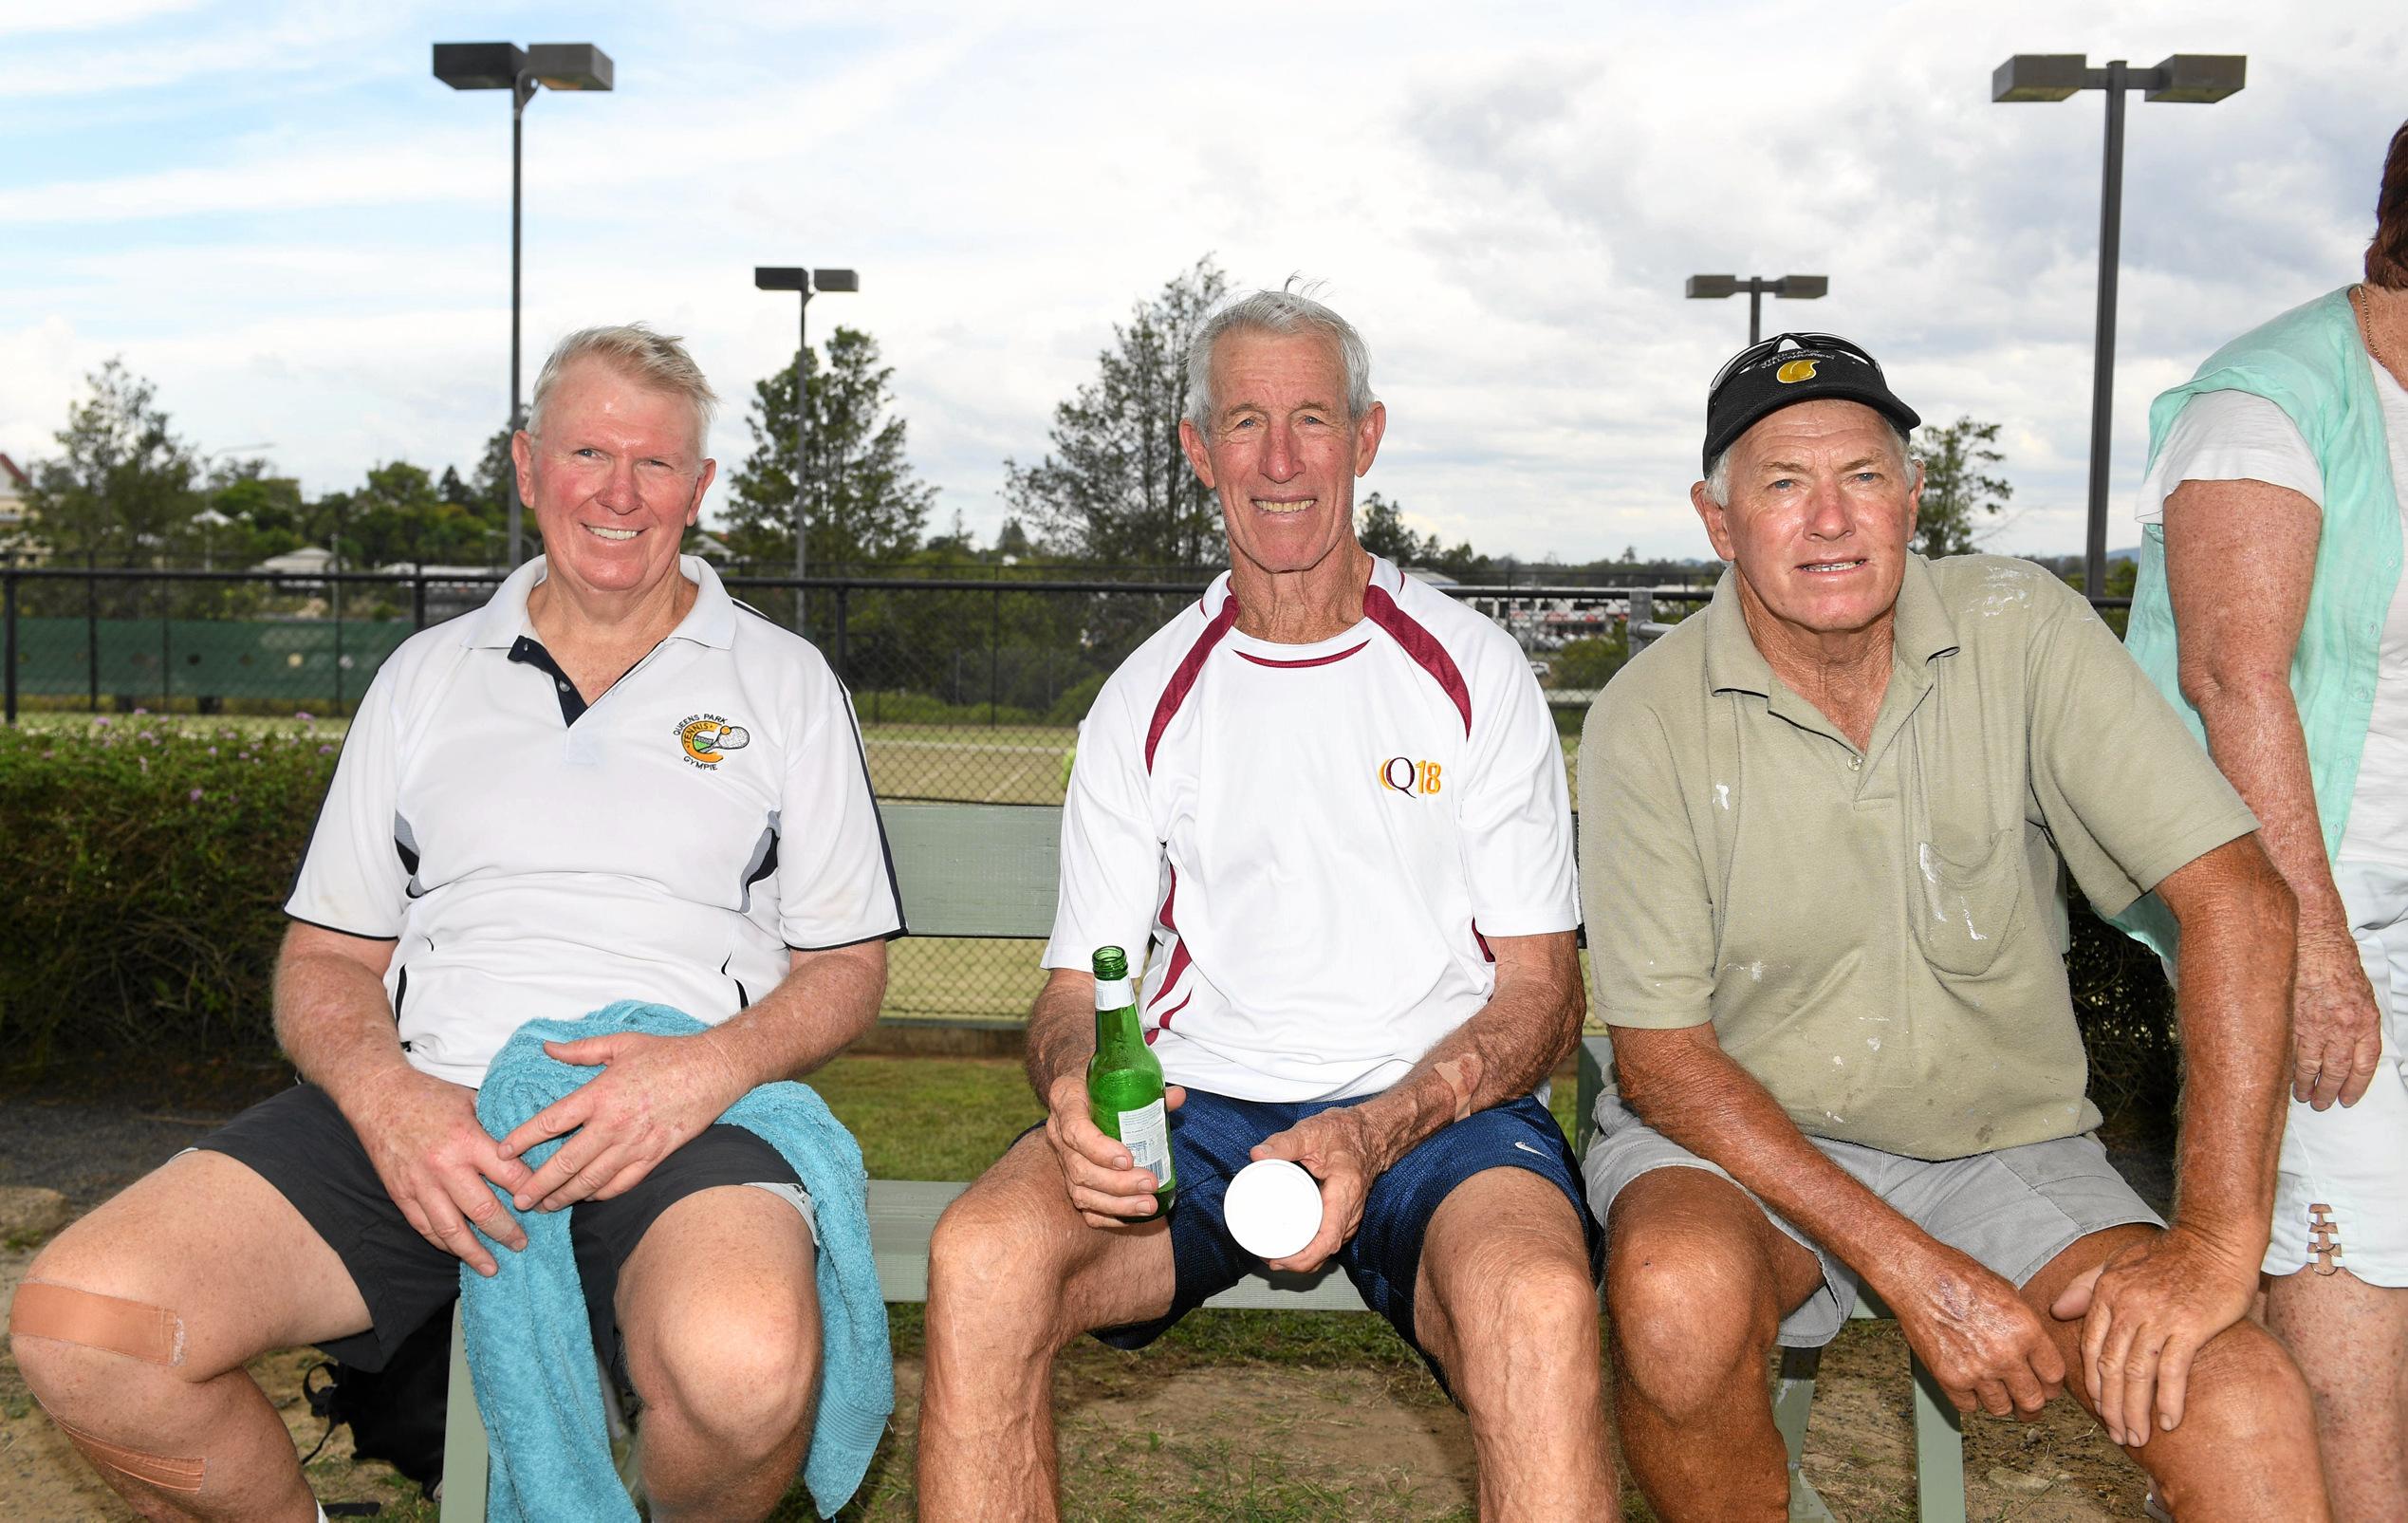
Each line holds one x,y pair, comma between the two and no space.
1281,311
656,361
1718,475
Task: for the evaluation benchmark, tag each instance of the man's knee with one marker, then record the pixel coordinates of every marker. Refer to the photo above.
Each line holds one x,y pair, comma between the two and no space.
89,1315
993,1260
2247,1423
743,1374
1692,1305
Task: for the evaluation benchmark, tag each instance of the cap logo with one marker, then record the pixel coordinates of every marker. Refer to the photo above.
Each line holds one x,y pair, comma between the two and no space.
1795,371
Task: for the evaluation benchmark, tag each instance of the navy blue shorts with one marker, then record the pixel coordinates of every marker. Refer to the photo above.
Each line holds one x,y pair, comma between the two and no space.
1212,1135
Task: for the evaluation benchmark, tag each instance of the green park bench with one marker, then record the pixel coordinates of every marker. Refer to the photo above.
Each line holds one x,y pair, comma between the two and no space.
991,870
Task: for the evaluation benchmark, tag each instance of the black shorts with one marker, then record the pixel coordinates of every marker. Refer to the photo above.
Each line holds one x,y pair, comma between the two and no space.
299,1142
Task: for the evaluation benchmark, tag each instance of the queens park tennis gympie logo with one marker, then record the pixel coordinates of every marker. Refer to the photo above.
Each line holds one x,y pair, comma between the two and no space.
706,739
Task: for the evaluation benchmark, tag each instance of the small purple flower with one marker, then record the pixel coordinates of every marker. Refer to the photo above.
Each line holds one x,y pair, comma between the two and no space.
301,715
102,720
141,711
194,797
213,751
326,750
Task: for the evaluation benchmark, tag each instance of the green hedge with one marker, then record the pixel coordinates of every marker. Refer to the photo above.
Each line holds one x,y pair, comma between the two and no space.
146,865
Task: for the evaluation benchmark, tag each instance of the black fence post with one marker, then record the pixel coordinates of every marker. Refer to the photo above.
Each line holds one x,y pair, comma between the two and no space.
166,648
417,597
92,632
8,599
843,602
995,645
334,585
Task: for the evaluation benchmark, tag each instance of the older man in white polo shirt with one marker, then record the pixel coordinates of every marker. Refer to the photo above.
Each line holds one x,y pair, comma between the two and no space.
612,783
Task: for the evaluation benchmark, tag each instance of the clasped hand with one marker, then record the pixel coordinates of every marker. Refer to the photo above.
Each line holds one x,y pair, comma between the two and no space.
654,1095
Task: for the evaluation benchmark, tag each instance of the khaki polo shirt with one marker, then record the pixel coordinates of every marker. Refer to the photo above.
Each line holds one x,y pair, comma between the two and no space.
1879,937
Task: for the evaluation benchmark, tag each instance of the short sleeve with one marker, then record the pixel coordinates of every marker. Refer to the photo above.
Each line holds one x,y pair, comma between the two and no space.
836,884
1643,888
1515,813
2231,436
355,876
1111,858
2126,792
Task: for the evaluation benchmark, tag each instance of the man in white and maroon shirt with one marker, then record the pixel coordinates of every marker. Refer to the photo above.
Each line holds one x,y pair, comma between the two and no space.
1332,805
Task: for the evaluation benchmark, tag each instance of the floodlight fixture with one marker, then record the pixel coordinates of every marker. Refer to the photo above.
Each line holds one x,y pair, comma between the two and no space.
1795,287
808,283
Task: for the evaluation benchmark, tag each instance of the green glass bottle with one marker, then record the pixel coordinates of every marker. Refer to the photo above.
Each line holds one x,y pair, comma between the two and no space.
1124,1078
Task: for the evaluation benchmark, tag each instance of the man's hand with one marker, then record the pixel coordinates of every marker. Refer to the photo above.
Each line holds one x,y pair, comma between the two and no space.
2146,1313
1096,1171
422,1135
654,1095
1336,1147
2336,1029
1978,1339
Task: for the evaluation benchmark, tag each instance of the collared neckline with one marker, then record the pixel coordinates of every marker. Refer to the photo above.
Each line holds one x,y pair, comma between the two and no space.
503,620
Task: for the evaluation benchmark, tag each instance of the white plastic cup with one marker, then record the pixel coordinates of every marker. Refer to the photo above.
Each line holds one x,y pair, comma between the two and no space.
1272,1208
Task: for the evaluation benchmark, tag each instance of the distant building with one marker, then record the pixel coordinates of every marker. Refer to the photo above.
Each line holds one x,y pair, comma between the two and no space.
311,560
17,543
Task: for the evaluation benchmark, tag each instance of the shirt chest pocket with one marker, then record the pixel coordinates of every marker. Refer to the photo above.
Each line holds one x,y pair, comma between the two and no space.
1969,896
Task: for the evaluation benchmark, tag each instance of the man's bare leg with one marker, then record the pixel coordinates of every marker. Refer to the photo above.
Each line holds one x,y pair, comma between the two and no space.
1696,1282
1503,1301
719,1310
208,1241
1013,1276
2246,1450
2351,1340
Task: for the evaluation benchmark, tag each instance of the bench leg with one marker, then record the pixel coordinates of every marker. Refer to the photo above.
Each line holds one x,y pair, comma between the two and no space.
1939,1453
1792,1400
464,1456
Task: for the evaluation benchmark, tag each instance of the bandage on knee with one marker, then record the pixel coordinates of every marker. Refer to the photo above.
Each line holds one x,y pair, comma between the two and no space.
43,1309
151,1469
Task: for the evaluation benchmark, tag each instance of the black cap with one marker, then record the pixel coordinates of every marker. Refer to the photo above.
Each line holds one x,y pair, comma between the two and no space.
1764,377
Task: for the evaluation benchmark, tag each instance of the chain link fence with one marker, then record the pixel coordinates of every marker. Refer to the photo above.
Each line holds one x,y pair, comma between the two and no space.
966,691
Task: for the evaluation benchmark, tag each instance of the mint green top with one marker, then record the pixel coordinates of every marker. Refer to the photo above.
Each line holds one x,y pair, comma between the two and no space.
2309,361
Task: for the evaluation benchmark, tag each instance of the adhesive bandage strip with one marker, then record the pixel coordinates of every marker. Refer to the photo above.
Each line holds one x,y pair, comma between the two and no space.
43,1309
151,1469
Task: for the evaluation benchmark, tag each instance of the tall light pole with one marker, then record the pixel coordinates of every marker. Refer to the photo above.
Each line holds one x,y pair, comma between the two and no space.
521,71
797,278
2190,79
1796,287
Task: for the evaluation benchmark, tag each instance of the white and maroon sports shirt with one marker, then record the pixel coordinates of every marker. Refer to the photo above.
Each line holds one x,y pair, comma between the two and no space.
1316,841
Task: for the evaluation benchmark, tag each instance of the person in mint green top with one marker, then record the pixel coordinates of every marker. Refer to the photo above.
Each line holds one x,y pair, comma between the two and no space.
2269,609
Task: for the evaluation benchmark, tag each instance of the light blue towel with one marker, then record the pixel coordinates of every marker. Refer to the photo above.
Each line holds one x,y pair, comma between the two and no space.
530,1346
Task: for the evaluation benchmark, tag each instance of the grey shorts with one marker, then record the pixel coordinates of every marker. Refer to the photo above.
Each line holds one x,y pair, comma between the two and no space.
2011,1211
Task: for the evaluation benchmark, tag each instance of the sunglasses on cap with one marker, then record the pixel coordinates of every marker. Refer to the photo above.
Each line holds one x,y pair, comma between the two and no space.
1809,346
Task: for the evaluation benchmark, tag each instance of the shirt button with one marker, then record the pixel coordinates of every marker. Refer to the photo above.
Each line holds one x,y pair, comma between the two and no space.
1856,763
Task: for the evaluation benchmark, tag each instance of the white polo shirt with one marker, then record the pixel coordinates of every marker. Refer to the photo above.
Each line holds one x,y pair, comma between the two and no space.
534,857
1316,840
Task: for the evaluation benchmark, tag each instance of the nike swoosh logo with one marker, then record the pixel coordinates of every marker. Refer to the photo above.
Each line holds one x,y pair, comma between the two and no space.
1526,1147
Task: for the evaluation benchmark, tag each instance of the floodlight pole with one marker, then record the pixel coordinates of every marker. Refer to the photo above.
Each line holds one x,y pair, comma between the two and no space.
799,279
522,89
1800,288
2194,79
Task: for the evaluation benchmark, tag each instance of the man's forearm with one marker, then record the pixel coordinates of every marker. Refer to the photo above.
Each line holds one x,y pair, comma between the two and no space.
2233,1003
335,1023
1531,1021
826,1001
1061,1036
1714,1108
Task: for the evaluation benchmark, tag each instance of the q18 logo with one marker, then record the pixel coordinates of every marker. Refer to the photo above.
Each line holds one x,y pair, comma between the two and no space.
1402,774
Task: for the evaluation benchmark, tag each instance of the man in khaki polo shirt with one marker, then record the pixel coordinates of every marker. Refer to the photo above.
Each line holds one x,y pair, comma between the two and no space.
1823,825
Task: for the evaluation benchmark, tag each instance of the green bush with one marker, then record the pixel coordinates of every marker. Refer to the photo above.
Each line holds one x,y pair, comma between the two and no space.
148,862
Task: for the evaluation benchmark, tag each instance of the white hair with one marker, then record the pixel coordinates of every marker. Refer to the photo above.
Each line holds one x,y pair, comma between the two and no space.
1287,311
656,361
1718,475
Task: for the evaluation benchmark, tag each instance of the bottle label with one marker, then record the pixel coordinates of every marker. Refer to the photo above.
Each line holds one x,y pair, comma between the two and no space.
1113,993
1146,1134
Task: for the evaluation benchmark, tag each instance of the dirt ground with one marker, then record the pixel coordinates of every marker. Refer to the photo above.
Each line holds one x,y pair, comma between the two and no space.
1233,1438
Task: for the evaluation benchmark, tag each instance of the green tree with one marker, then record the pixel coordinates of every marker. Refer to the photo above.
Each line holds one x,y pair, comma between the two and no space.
866,503
1380,526
124,485
1115,487
1956,486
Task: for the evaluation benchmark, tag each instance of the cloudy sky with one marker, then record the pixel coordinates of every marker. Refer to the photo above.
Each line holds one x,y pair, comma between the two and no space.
275,213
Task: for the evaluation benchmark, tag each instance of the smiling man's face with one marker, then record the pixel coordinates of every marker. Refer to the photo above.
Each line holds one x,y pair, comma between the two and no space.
1821,510
613,479
1280,451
